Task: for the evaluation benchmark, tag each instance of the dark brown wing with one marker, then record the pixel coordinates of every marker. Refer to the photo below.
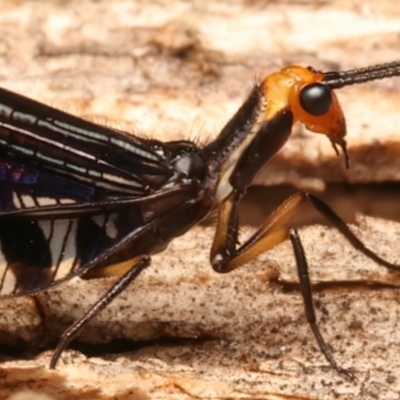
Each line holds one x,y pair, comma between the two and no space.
42,245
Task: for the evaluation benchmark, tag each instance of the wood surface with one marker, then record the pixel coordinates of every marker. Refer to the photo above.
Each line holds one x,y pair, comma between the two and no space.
179,69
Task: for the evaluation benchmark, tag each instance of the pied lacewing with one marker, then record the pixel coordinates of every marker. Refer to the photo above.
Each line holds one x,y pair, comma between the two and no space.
79,199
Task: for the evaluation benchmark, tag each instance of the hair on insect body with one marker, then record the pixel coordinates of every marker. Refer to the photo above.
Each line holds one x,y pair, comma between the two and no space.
79,199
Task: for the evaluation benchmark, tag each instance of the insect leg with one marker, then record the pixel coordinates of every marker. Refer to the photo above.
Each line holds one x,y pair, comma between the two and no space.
226,257
342,227
141,263
306,292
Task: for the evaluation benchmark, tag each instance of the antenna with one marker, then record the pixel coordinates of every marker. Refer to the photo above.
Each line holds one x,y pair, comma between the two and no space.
336,80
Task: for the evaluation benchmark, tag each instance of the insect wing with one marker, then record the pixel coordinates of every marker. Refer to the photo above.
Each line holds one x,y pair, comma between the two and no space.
62,183
35,134
35,254
53,227
24,188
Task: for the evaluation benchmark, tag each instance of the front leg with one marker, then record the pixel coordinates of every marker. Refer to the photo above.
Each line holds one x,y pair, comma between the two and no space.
226,257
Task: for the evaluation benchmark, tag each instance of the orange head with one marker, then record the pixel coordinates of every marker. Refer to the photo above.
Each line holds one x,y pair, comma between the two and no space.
311,101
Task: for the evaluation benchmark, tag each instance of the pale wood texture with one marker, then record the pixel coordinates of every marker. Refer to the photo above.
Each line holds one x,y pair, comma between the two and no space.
249,335
179,69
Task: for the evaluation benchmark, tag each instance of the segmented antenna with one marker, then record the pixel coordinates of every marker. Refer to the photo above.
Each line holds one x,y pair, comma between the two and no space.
336,80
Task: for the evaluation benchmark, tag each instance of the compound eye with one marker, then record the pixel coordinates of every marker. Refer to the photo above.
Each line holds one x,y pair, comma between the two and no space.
316,99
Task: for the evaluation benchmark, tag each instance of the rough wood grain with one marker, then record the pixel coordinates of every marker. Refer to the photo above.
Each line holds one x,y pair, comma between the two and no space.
179,69
245,332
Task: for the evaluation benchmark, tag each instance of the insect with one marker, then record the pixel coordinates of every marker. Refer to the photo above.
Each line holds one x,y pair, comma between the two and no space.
78,199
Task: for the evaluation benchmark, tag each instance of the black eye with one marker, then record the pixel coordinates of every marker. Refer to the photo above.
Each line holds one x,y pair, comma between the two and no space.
316,98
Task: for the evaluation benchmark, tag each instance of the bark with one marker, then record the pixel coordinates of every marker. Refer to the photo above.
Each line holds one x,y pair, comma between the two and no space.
179,69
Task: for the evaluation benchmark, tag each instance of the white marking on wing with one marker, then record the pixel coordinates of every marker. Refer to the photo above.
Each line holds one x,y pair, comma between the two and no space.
132,148
67,201
23,150
118,179
28,201
9,283
7,277
111,229
16,201
68,257
82,134
46,201
99,220
45,226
